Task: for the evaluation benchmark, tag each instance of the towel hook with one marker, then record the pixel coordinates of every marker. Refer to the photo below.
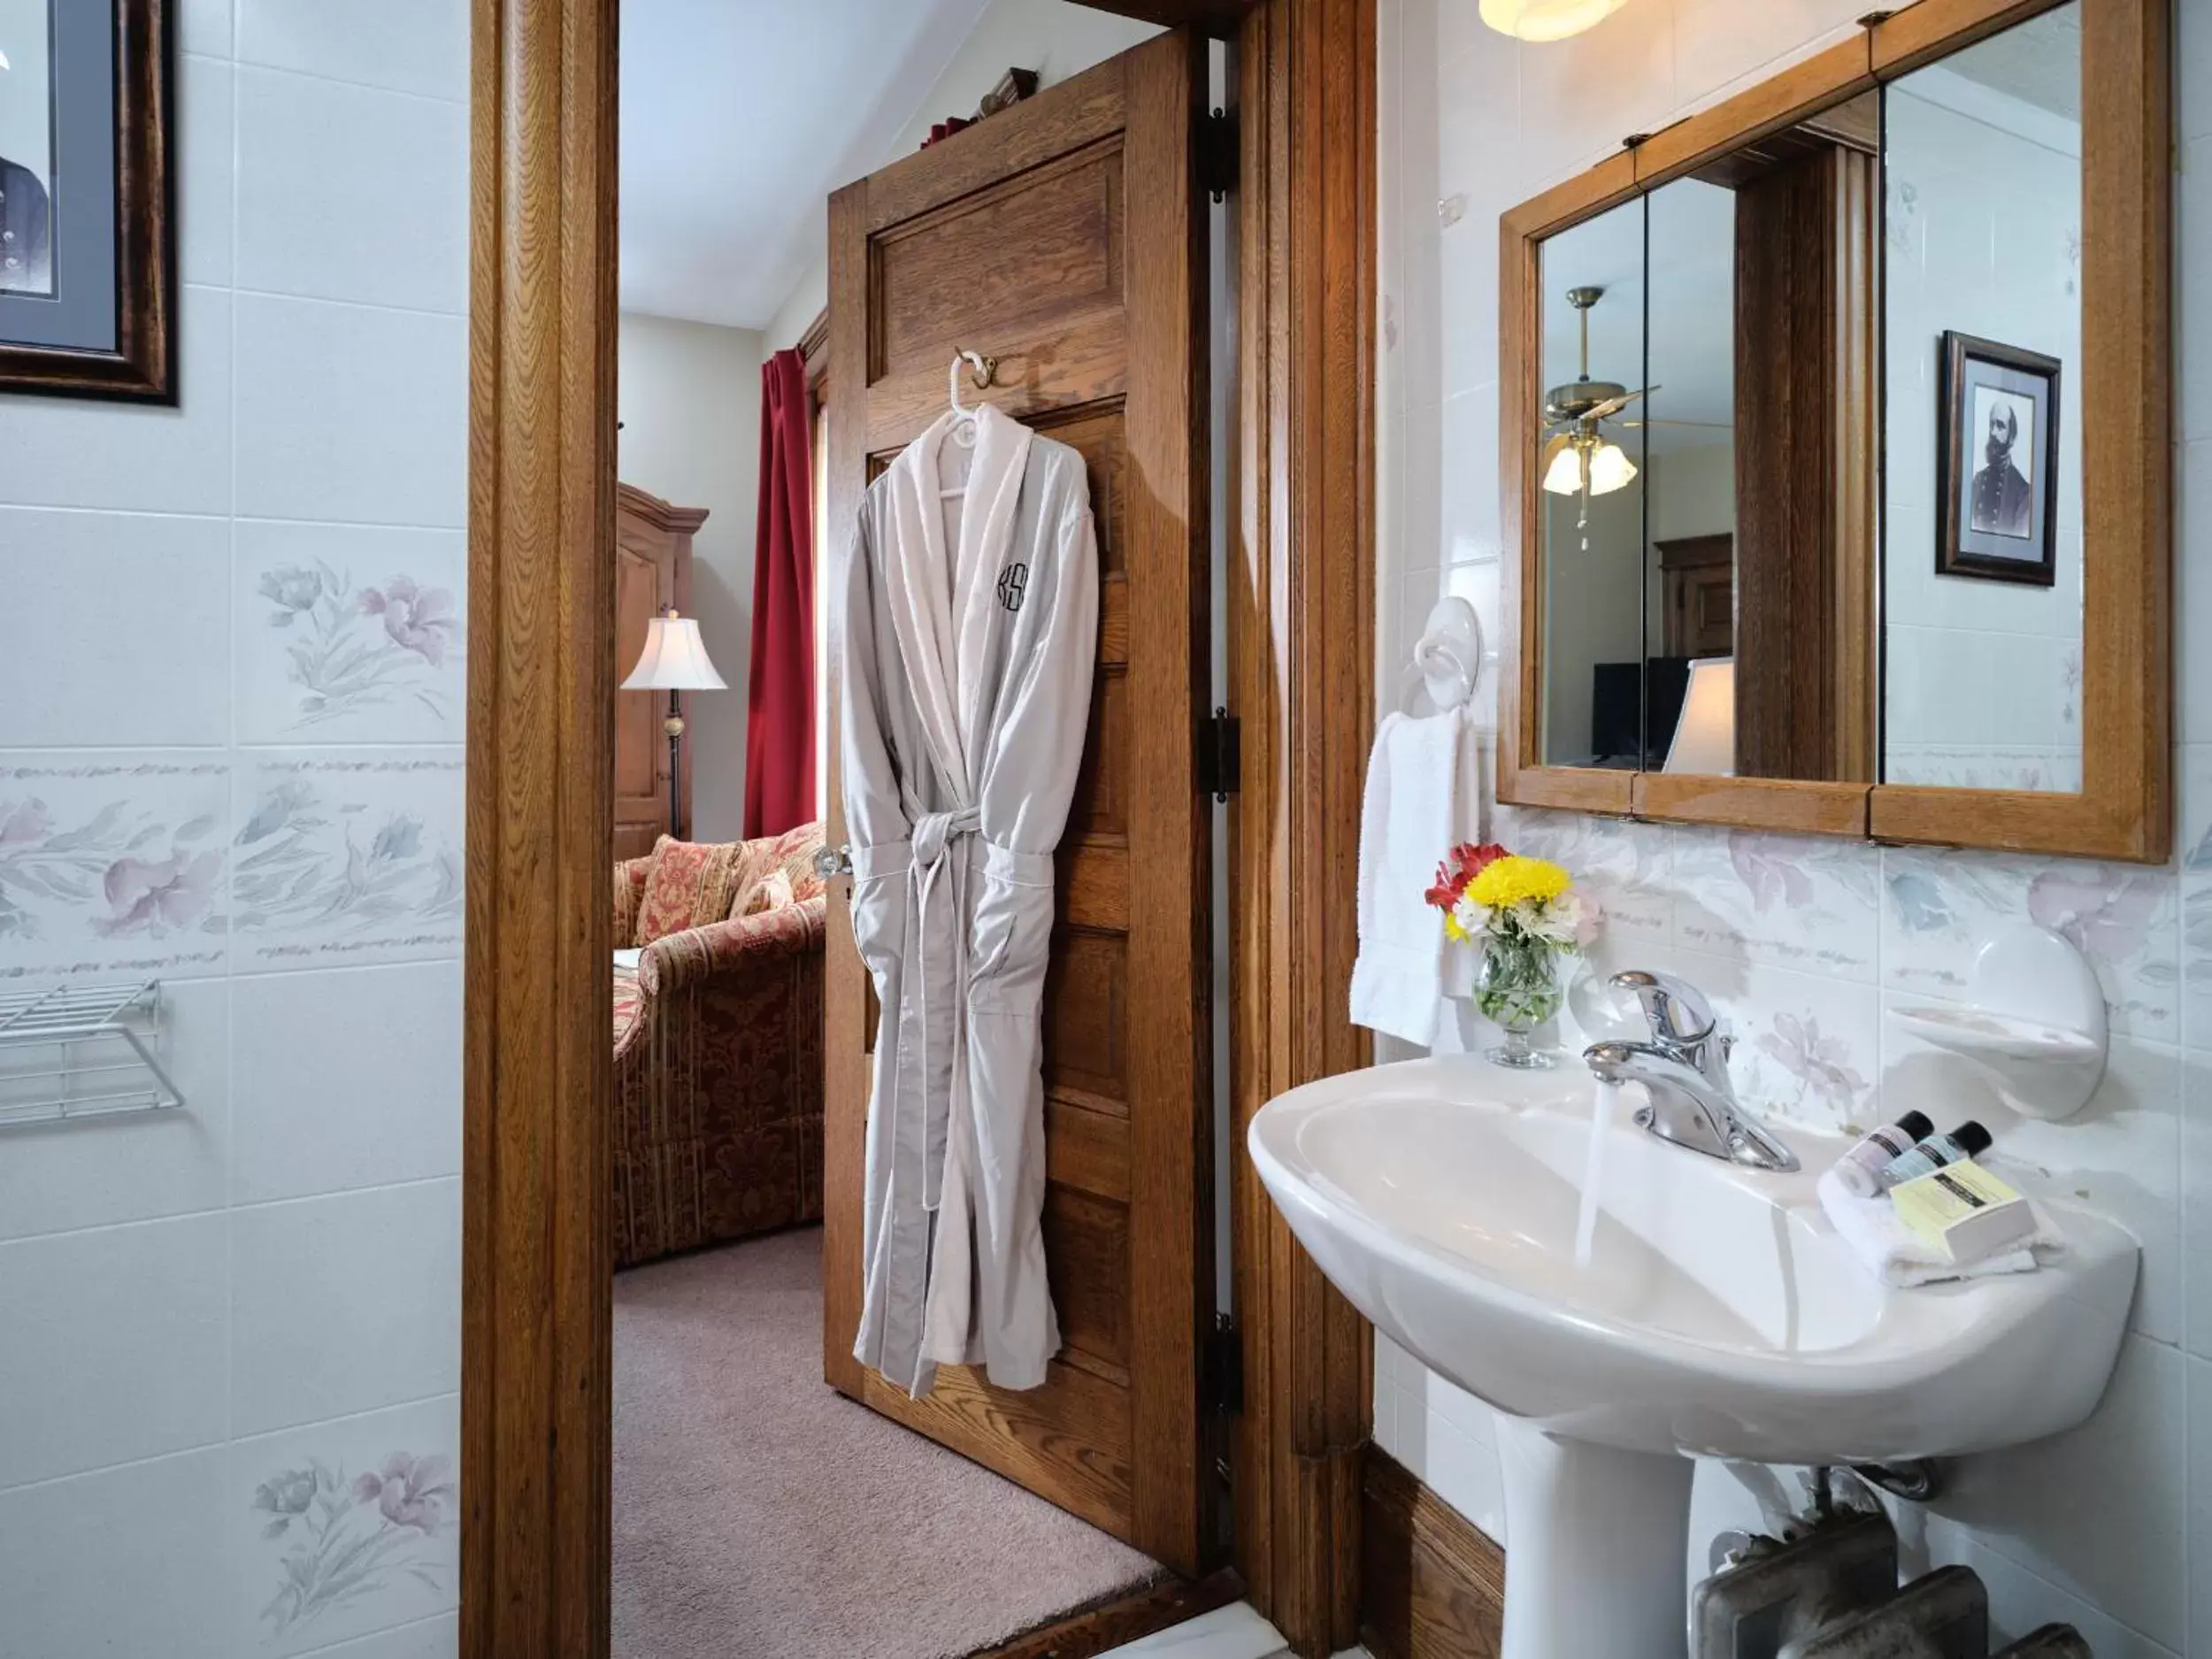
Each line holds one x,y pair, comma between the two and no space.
1448,658
982,370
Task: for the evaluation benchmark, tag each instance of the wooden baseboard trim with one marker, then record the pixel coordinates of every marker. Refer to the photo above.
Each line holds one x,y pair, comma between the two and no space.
1432,1585
1105,1628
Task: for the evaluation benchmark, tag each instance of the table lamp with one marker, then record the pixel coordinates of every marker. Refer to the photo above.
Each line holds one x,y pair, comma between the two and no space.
675,660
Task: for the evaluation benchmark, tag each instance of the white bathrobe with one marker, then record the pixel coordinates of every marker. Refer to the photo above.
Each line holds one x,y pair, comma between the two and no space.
968,627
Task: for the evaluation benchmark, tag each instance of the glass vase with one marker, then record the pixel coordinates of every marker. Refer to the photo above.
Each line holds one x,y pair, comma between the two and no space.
1517,989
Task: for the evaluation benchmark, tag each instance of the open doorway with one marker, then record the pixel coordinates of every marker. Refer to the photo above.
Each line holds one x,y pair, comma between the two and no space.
1035,205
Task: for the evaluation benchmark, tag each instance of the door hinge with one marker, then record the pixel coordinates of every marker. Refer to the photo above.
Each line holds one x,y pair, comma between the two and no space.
1220,755
1218,154
1224,1367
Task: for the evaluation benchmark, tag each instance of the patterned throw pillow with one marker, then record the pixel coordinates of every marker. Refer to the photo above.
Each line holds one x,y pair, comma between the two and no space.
691,883
793,853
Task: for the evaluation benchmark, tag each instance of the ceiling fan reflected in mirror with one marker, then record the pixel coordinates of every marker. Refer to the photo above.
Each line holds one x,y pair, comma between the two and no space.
1579,458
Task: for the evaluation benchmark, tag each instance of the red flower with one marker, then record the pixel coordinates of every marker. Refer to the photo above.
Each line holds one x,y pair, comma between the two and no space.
1461,866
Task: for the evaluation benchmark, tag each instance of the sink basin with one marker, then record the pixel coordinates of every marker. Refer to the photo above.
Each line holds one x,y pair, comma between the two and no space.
1718,1315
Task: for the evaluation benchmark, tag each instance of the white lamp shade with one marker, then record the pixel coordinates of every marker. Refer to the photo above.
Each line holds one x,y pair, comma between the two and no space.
1705,737
1610,469
1546,19
675,659
1563,476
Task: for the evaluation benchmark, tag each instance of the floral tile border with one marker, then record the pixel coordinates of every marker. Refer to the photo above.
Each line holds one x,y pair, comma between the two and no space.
1807,905
114,864
343,861
1940,907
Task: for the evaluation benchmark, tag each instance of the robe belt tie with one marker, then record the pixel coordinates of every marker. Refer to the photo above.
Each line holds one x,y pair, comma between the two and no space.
938,842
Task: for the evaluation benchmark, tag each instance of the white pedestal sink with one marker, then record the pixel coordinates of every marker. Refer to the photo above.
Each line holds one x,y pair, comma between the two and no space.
1718,1316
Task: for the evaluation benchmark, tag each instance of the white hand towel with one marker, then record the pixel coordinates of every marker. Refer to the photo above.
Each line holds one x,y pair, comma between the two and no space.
1406,823
1901,1258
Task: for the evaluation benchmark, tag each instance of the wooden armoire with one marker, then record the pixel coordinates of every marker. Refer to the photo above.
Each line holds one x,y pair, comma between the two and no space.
652,554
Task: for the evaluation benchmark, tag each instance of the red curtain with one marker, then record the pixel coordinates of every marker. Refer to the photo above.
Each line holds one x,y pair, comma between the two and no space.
779,719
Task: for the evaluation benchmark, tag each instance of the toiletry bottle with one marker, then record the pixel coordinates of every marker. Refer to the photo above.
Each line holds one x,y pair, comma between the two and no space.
1969,1140
1858,1168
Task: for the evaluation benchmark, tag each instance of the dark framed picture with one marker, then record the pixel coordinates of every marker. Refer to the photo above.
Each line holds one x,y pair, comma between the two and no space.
1997,462
88,246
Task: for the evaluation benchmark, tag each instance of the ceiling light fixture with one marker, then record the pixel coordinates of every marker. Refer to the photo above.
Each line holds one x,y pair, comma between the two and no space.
1546,20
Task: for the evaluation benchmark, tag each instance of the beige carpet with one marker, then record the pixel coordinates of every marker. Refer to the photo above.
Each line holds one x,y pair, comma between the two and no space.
758,1515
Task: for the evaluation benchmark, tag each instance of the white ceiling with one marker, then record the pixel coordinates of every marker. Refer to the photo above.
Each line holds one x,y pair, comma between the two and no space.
739,116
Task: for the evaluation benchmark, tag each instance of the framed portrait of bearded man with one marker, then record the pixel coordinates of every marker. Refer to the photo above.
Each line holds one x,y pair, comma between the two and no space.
87,241
1997,485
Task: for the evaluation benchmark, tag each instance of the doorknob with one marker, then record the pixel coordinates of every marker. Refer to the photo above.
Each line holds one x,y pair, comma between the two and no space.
832,862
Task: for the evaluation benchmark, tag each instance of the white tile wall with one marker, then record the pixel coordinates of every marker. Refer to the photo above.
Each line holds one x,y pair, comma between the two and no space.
205,1306
351,413
128,1561
346,1080
116,1345
1805,943
145,593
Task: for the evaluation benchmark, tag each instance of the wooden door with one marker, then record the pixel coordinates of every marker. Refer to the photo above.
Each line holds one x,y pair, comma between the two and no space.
652,556
1065,238
1697,576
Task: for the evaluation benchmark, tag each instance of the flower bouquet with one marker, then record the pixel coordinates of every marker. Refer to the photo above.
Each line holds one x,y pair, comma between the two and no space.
1524,917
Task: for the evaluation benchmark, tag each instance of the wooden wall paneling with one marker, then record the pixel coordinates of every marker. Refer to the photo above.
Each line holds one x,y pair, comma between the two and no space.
846,988
1165,550
1434,1584
1301,631
537,1071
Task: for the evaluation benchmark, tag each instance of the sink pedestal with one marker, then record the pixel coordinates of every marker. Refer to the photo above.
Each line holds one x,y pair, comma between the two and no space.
1596,1546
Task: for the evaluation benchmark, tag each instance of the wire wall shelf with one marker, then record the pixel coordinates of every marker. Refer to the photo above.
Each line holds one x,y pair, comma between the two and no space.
72,1051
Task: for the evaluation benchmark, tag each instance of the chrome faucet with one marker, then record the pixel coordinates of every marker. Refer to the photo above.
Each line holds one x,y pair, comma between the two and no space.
1685,1066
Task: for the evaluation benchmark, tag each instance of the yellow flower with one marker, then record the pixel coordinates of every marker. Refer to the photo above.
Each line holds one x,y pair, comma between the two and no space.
1512,879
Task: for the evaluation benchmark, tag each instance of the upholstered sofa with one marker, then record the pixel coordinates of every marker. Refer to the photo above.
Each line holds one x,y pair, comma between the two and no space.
717,1042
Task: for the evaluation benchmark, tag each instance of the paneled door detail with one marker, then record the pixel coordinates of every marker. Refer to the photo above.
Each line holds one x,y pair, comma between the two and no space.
1065,238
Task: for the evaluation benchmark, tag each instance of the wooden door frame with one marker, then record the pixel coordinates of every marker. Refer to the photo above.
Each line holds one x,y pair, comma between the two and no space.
536,1397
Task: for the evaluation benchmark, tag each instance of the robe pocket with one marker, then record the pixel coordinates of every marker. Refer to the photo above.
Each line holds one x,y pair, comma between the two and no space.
1013,944
879,923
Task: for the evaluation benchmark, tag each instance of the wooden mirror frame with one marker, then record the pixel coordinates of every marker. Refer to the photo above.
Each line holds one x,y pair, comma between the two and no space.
2125,809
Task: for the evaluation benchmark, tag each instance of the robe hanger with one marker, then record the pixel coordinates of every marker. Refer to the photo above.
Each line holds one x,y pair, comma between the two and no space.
984,369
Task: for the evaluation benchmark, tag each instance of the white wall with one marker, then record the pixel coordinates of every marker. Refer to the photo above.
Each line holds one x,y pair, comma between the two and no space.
207,1312
1805,943
1054,37
1982,679
690,401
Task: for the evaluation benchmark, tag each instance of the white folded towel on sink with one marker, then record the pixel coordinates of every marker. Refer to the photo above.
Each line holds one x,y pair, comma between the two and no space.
1901,1258
1407,818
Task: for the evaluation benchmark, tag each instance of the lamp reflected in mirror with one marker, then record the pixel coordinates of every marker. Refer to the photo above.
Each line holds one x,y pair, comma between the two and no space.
1704,741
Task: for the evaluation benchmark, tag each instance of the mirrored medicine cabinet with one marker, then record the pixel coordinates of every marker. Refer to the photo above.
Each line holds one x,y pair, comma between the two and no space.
1837,445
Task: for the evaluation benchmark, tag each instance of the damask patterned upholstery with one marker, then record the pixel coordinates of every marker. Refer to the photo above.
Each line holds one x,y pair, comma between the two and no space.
689,884
718,1062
